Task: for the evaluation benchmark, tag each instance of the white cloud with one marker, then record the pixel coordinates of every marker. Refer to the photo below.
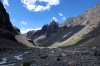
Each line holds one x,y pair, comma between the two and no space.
23,23
13,20
63,18
5,3
29,4
60,14
42,8
54,18
32,6
51,2
23,30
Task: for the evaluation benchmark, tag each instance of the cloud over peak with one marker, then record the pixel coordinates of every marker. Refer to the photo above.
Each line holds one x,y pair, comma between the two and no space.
32,6
63,17
23,30
55,19
23,23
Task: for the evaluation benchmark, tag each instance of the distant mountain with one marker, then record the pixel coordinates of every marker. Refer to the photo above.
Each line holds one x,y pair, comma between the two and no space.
76,30
10,35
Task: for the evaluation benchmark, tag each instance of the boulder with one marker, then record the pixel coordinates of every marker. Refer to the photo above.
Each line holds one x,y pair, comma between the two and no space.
16,29
31,41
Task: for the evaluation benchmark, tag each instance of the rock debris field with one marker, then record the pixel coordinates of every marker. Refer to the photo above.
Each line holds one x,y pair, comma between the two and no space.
76,56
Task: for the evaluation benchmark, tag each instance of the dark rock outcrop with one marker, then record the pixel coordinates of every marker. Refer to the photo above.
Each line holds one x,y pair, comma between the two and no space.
16,29
44,28
7,34
49,29
31,41
4,18
53,27
6,28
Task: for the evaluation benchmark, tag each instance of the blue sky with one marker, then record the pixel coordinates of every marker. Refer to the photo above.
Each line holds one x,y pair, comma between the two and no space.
33,14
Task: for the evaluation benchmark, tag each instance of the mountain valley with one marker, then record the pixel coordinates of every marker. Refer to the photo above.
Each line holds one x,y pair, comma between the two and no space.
72,43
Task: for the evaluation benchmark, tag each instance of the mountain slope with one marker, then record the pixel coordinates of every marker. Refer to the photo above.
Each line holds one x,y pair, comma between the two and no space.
10,35
74,30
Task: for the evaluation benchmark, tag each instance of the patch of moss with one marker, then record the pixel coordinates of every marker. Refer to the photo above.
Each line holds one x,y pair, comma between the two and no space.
71,41
27,63
43,57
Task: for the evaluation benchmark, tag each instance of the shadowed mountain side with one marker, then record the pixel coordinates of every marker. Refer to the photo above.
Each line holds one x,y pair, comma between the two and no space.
60,36
90,38
10,35
30,33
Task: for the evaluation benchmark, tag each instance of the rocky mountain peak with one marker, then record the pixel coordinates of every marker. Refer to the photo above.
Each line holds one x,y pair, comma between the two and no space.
44,28
53,22
47,29
51,28
46,25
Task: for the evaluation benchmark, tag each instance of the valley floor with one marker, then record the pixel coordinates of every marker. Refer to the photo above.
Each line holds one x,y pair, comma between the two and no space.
76,56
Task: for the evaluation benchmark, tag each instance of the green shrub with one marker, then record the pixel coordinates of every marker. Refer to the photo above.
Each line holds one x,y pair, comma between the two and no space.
27,63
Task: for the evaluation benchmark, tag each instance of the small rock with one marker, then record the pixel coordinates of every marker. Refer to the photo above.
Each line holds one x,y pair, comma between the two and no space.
58,59
93,47
63,54
10,52
52,51
70,64
97,53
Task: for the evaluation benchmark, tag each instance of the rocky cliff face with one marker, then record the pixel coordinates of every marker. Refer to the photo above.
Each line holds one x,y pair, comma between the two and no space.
7,30
73,29
4,18
46,30
10,35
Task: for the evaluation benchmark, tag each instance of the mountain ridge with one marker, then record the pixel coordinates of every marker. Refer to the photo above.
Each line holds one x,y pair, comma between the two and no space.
74,28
